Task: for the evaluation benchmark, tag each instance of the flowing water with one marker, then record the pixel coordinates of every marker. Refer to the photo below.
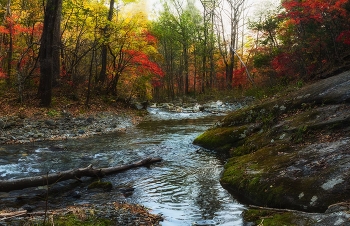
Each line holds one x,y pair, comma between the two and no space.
184,187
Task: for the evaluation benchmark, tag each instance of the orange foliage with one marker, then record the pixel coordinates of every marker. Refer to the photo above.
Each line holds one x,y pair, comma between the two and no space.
239,77
144,63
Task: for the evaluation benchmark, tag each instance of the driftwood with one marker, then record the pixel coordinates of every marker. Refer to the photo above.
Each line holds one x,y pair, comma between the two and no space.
13,214
21,183
25,213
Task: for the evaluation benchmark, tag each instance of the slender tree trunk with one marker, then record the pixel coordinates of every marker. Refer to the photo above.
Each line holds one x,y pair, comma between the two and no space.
186,69
104,48
56,63
48,42
204,53
87,102
9,54
195,71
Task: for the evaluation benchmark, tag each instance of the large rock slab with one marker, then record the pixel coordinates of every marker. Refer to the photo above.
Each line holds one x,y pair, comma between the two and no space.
289,152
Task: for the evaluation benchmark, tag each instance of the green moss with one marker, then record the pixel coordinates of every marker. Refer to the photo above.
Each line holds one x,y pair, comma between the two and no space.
250,144
269,218
264,113
52,113
253,175
105,185
254,215
273,218
69,220
222,138
72,220
242,150
298,137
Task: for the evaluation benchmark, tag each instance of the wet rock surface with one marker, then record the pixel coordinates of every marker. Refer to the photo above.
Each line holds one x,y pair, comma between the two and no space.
290,152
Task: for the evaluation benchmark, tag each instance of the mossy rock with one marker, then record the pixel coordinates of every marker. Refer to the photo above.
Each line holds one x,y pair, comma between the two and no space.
282,176
264,113
289,152
272,218
247,176
105,185
221,139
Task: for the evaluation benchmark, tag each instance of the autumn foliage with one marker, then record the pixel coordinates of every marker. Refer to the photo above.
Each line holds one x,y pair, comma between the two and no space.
312,38
177,54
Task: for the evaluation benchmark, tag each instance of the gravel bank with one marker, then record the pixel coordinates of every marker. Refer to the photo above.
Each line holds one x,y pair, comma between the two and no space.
16,129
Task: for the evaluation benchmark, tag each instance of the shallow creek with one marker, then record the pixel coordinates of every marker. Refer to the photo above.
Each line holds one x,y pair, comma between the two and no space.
184,187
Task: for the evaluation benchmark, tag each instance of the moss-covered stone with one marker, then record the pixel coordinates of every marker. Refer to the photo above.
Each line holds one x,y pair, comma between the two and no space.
273,218
105,185
249,176
289,152
221,138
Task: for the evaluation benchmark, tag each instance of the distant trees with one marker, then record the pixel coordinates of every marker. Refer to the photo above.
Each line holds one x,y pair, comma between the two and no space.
231,12
200,47
179,29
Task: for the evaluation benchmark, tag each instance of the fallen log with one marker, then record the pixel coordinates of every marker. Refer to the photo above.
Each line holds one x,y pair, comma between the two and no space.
21,183
13,214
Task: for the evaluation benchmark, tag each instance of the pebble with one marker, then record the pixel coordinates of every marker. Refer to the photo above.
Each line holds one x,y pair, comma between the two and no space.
17,130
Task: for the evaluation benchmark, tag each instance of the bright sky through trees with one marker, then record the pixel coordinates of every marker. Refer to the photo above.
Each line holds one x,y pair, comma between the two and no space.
152,6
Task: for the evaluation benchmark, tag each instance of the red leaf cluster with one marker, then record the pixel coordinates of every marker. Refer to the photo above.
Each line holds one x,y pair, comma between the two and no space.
344,37
313,10
239,76
282,64
144,63
151,39
2,74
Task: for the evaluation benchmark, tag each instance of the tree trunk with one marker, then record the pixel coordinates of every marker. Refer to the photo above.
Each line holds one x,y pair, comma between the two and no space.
16,184
56,48
185,49
9,54
104,48
49,42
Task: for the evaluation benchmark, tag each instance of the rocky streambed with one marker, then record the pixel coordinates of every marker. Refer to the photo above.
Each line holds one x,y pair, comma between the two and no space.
17,129
167,131
58,125
290,152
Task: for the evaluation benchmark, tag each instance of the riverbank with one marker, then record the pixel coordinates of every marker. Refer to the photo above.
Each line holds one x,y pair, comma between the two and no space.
290,152
153,137
116,213
28,124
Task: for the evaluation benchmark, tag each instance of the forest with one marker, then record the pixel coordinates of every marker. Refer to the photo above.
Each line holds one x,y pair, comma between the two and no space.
78,50
74,69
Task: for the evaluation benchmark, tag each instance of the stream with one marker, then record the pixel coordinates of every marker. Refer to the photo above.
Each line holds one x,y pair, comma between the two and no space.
184,187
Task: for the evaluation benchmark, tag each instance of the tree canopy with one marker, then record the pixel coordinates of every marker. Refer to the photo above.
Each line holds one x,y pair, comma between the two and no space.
113,48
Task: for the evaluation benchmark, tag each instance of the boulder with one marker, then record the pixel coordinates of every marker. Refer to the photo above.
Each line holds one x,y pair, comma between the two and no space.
289,152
